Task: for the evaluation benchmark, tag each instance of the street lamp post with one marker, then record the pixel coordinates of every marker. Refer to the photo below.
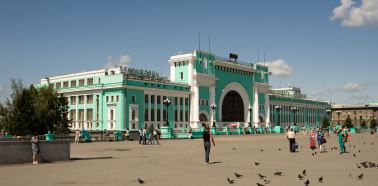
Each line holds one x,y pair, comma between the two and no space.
250,114
329,111
294,109
213,107
278,108
167,102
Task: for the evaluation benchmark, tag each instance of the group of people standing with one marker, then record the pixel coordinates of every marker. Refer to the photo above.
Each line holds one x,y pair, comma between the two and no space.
318,137
153,135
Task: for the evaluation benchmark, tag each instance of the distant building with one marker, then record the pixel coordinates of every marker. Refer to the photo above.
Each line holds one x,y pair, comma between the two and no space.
202,89
358,114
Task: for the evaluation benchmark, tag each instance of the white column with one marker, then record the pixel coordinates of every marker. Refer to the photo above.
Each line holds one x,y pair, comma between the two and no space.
172,78
194,114
178,111
190,71
77,111
149,108
267,110
212,101
256,109
85,123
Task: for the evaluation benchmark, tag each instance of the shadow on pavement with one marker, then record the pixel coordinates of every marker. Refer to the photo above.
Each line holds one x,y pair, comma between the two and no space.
93,158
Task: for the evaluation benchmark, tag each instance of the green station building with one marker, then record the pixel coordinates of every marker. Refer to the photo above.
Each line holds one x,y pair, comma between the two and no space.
202,89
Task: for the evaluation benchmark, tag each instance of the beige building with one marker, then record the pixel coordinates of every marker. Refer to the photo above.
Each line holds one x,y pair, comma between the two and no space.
358,114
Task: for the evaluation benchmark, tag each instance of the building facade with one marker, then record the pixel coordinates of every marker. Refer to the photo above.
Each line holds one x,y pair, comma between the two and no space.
202,89
358,114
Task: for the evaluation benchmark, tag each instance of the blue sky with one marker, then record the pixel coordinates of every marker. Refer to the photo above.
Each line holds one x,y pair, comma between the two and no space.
326,49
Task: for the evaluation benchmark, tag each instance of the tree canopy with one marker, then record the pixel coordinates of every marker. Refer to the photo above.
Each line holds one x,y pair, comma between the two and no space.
32,109
348,122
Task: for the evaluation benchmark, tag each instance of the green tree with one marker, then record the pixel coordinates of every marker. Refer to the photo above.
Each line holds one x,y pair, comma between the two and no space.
18,112
348,123
363,124
373,123
34,110
325,122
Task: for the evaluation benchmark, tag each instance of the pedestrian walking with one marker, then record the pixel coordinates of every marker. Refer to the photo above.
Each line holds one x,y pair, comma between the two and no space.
320,139
206,143
312,139
156,136
140,136
35,148
340,137
291,137
144,136
190,133
77,136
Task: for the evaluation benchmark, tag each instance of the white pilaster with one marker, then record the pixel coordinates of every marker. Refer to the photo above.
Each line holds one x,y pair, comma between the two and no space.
212,101
267,110
194,117
85,122
172,70
77,112
256,109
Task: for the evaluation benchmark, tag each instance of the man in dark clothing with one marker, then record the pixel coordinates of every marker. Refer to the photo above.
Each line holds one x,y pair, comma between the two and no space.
206,142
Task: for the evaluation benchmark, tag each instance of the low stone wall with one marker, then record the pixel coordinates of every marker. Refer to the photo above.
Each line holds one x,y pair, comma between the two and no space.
21,152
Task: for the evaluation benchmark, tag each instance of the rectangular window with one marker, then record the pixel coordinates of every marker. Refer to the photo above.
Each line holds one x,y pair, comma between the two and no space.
81,82
112,99
186,115
181,101
65,84
90,81
158,112
73,114
90,99
181,115
107,99
133,115
145,114
81,99
186,101
158,99
146,98
81,114
152,114
175,100
58,85
175,115
73,100
152,99
181,75
73,83
133,98
117,98
165,115
89,114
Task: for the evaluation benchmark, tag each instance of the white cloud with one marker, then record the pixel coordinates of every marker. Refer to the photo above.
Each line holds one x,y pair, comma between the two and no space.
360,97
2,89
352,15
279,68
351,87
124,60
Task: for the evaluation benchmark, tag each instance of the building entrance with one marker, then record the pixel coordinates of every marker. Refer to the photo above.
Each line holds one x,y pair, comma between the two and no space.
232,107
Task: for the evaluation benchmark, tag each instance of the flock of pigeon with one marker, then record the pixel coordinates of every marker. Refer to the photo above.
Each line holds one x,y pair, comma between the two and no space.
302,175
266,180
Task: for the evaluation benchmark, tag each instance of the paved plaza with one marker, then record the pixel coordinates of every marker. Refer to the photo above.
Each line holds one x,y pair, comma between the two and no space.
181,162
